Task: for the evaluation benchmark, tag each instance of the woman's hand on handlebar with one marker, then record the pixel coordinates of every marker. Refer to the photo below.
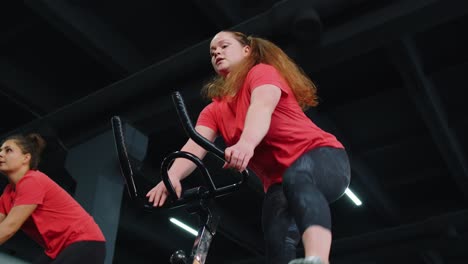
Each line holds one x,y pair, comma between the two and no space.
238,155
158,195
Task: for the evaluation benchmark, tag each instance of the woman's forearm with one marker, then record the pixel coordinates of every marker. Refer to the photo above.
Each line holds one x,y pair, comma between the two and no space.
182,167
4,237
6,232
14,220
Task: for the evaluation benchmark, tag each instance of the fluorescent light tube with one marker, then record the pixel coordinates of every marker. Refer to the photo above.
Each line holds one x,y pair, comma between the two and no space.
184,226
353,197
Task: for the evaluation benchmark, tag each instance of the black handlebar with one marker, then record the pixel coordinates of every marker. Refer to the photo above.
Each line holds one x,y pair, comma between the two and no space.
187,155
190,129
212,190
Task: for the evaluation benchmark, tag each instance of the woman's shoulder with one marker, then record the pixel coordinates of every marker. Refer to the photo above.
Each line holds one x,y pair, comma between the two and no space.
212,108
35,173
36,176
262,67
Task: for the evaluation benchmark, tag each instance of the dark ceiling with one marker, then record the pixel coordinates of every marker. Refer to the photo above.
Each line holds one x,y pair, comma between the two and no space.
390,76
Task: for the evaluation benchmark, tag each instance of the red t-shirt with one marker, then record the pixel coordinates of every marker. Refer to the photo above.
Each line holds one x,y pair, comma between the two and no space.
58,219
291,132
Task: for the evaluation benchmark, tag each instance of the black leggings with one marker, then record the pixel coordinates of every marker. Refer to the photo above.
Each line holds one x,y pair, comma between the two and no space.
89,252
310,184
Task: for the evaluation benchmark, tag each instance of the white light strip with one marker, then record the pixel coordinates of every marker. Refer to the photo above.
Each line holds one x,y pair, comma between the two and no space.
353,197
183,226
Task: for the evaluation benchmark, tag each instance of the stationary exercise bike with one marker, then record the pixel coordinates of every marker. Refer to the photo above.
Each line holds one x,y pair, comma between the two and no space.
198,200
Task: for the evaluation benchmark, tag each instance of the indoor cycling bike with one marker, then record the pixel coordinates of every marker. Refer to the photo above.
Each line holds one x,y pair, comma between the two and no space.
198,200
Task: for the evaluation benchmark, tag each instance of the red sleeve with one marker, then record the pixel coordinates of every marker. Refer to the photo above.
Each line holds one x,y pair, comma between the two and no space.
207,117
262,74
29,191
2,208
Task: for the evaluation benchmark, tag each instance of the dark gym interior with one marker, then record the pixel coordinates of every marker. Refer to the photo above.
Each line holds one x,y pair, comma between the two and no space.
390,77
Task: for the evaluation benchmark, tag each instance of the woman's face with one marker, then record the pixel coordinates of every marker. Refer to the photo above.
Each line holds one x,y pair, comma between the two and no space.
12,158
226,52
